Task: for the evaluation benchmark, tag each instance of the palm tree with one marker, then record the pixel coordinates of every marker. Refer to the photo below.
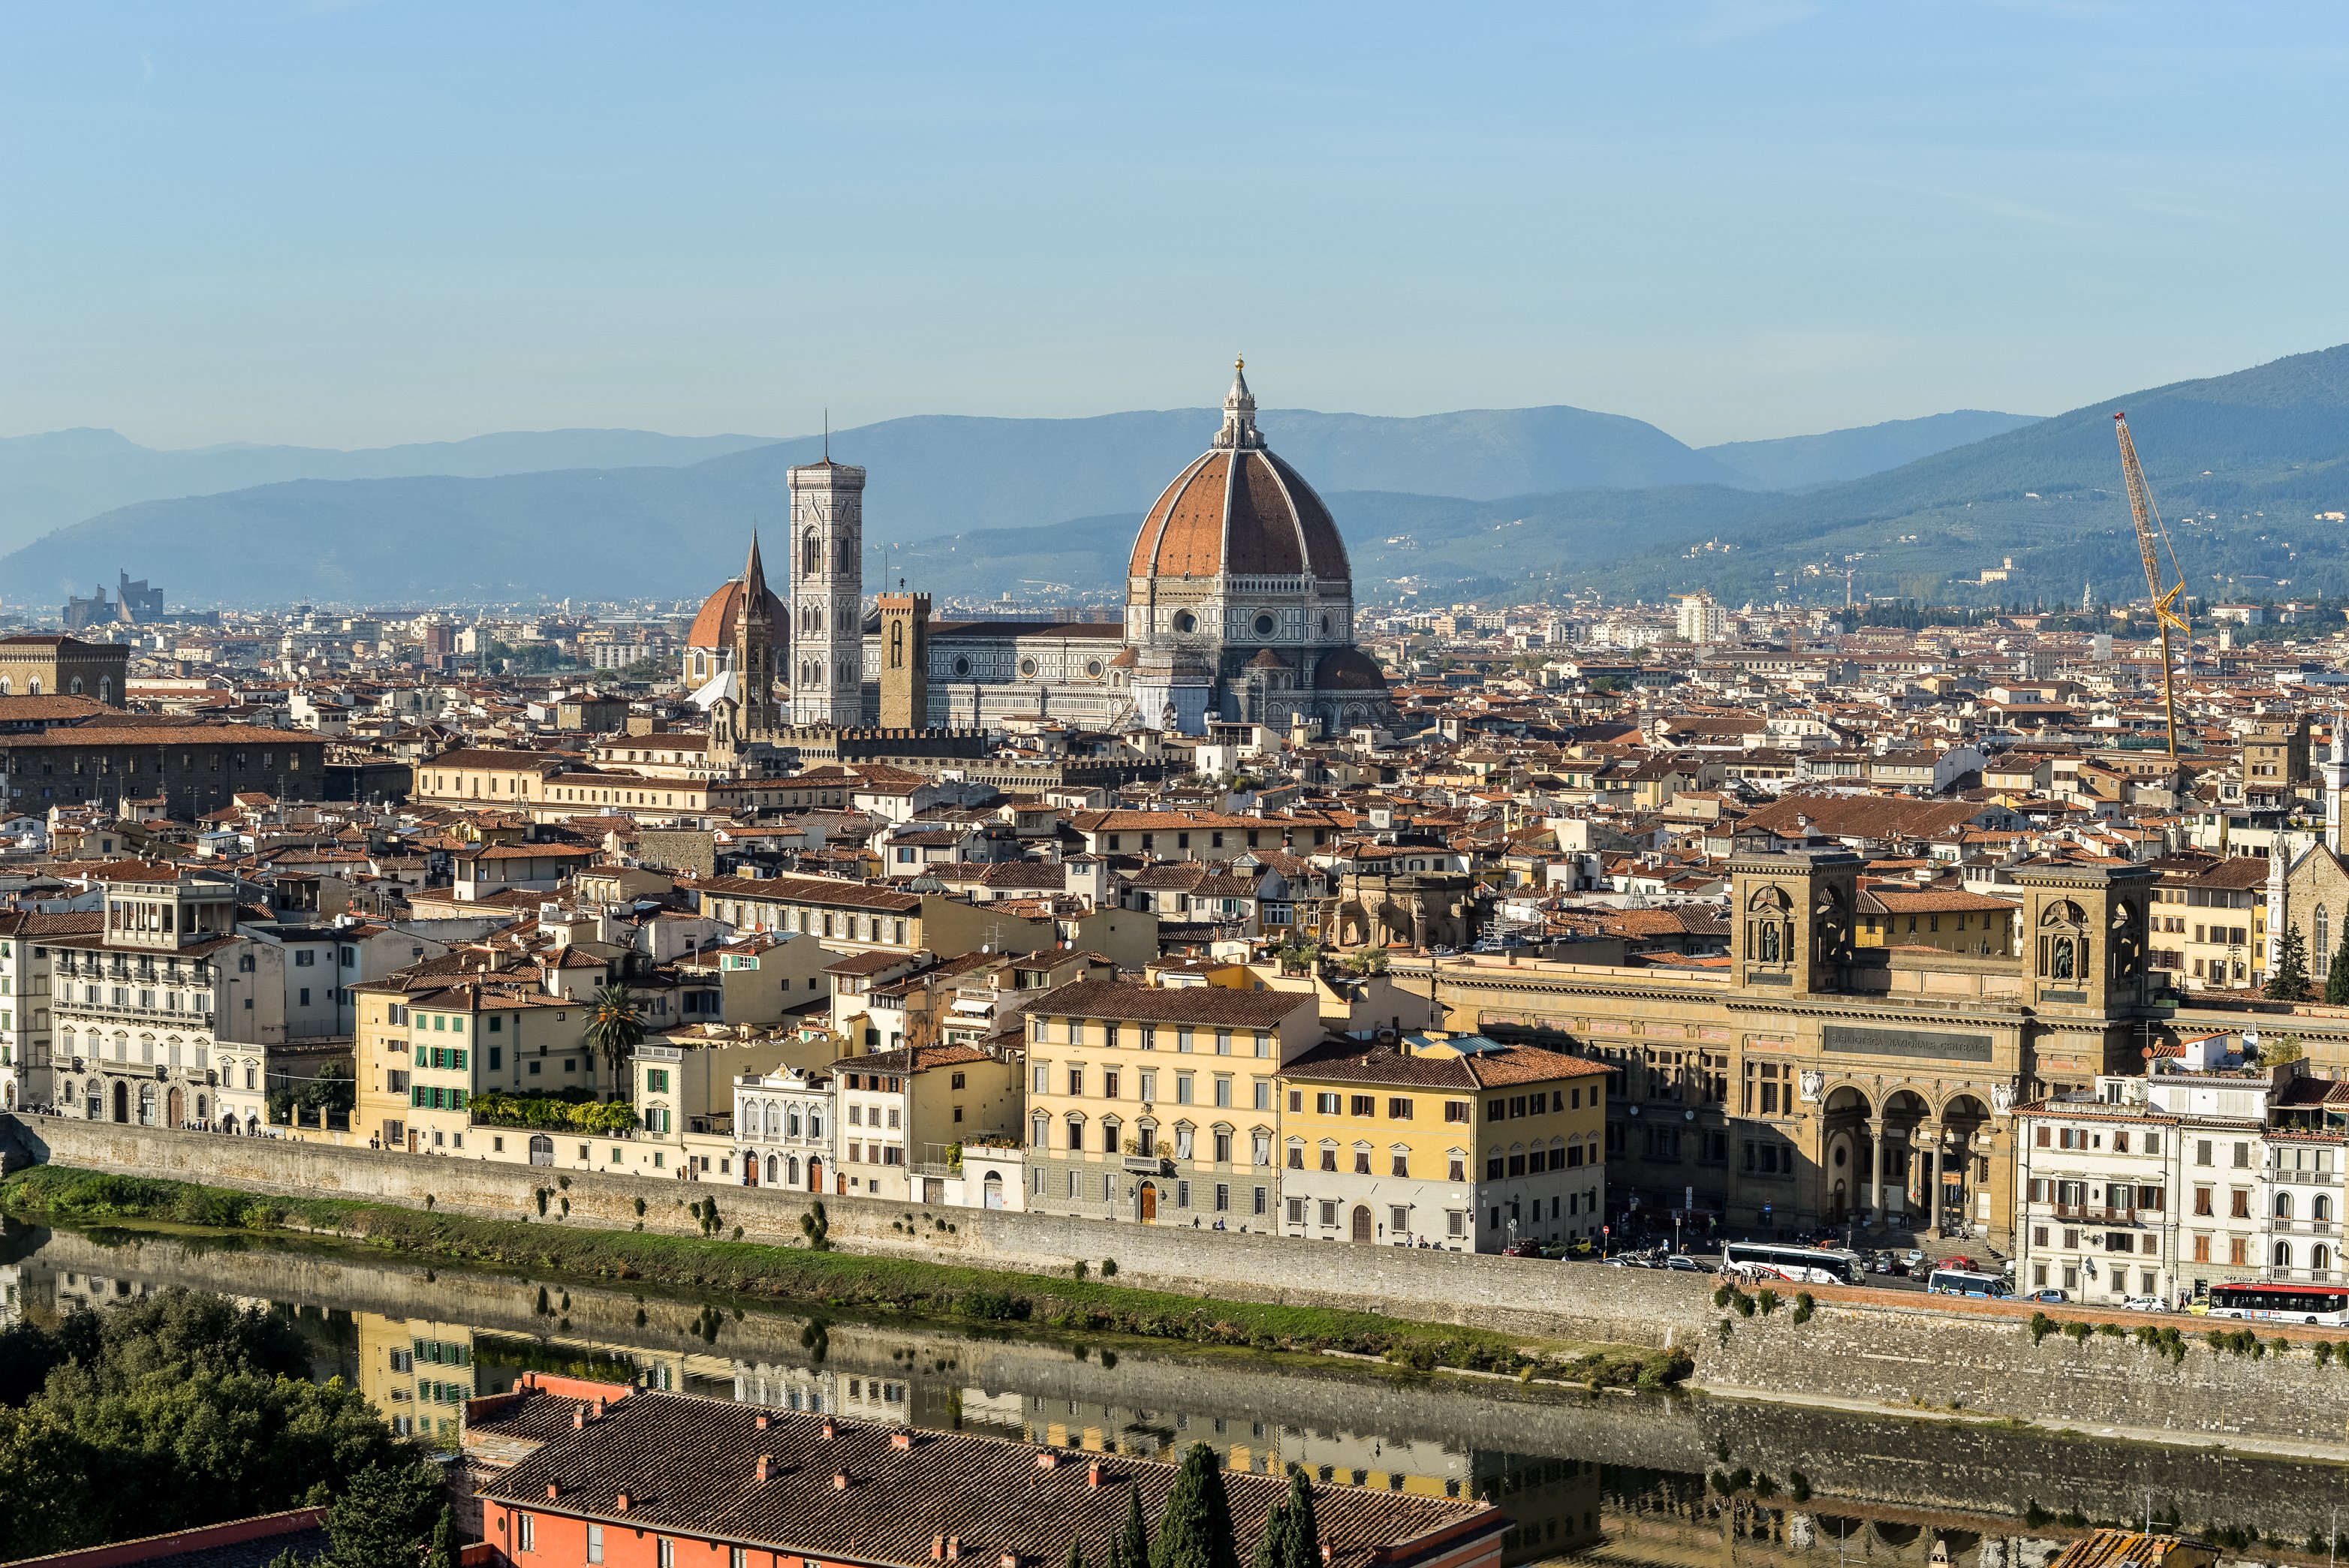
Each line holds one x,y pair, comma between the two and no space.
615,1030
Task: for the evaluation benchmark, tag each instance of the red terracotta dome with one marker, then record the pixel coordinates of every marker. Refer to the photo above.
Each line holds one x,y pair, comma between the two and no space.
714,626
1240,510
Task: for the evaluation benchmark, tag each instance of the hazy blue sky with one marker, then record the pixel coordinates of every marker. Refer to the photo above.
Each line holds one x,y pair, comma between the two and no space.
351,224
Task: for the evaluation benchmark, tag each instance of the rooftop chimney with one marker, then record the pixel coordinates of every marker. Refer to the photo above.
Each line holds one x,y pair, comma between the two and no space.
1094,1474
937,1548
839,1481
553,1489
762,1424
766,1463
578,1417
830,1431
1048,1460
1008,1560
953,1548
620,1503
901,1440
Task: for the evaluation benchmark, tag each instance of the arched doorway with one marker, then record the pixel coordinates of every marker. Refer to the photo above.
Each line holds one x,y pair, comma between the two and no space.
1146,1198
121,1101
990,1192
1967,1132
1361,1223
816,1174
1849,1156
175,1108
750,1171
542,1148
790,1170
146,1105
202,1111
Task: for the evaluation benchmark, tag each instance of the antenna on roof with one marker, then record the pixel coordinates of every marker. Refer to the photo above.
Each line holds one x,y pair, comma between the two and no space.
827,435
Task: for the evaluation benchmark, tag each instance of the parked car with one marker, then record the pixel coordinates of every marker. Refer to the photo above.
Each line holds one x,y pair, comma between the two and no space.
1522,1250
2145,1304
2047,1297
1681,1263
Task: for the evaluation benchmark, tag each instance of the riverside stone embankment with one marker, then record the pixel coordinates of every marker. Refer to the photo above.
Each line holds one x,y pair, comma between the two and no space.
1937,1469
1854,1346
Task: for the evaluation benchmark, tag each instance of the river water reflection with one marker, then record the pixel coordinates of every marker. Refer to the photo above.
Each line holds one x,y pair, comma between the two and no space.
1601,1479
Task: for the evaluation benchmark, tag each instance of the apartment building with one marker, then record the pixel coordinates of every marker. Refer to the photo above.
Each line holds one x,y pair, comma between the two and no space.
429,1043
1157,1105
900,1115
1441,1139
2207,927
27,1074
2211,1167
136,1003
859,917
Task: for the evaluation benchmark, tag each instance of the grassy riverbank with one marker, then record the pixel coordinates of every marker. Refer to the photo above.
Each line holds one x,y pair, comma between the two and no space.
812,1278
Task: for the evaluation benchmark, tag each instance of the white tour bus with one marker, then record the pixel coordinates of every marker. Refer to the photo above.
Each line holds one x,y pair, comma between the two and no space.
1803,1265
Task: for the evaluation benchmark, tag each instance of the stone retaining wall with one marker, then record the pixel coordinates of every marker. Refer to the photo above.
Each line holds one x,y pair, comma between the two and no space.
1898,1352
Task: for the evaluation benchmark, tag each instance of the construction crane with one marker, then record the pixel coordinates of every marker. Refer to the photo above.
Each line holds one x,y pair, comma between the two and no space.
2167,606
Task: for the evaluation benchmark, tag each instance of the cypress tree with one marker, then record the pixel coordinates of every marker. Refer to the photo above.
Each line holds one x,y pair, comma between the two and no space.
2288,977
1272,1548
2337,978
1076,1552
1304,1535
1130,1548
1195,1530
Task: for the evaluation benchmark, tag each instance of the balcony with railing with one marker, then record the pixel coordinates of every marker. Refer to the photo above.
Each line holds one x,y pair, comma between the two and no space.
2099,1215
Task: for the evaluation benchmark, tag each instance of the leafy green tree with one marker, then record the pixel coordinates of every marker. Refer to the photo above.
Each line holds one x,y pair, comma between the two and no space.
331,1091
615,1027
2287,978
2336,977
1195,1530
386,1516
168,1413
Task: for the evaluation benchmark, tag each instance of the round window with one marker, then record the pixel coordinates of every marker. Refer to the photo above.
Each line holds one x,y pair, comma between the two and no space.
962,666
1027,669
1264,625
1325,625
1093,669
1186,621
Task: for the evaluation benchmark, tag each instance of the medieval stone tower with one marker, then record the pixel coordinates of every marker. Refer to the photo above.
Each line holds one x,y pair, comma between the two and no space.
827,594
905,660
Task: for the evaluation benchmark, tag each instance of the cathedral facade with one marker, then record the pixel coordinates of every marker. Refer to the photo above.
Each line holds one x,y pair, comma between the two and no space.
1239,605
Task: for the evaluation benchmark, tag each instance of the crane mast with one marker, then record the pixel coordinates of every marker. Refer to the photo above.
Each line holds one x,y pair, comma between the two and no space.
2153,544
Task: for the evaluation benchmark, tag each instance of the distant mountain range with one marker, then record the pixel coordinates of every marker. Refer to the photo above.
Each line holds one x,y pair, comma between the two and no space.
2251,470
571,513
1800,462
1478,502
52,480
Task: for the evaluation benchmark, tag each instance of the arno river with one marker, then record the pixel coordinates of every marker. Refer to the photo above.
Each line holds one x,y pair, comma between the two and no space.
1597,1479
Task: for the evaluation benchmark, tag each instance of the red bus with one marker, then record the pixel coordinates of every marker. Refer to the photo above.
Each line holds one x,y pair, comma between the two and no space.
2327,1304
